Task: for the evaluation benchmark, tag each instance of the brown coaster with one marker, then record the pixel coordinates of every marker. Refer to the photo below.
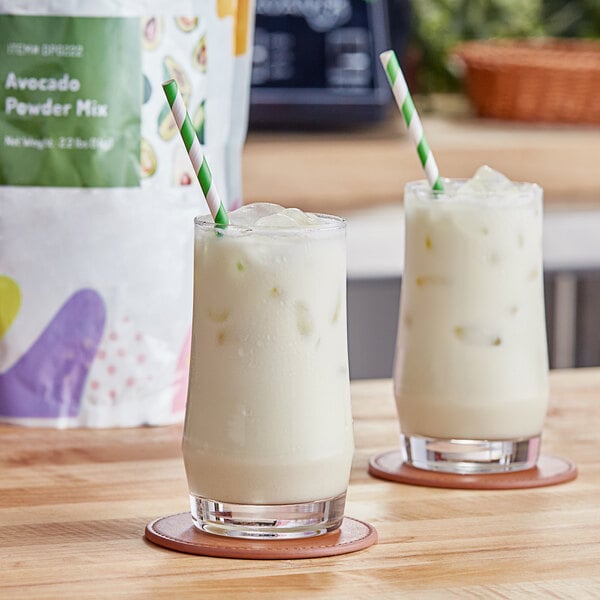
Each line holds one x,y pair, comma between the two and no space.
177,532
550,470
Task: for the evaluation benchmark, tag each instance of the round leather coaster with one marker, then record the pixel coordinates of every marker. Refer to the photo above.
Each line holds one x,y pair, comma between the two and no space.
177,532
550,470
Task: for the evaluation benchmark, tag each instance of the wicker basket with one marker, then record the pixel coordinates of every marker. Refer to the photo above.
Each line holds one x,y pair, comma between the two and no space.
550,80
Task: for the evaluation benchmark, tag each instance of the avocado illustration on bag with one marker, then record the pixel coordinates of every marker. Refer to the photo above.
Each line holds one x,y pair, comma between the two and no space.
152,32
173,70
167,128
147,89
183,173
199,55
148,159
198,121
186,24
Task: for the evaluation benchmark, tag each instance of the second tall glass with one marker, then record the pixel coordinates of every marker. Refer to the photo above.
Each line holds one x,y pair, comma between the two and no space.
471,368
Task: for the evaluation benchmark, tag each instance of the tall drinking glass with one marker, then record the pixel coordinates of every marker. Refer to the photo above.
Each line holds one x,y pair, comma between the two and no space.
471,367
268,431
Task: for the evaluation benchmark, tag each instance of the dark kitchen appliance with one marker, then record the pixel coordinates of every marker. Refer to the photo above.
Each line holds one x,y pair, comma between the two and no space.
316,63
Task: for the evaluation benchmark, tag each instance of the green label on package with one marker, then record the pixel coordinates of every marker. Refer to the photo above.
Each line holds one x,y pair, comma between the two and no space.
70,101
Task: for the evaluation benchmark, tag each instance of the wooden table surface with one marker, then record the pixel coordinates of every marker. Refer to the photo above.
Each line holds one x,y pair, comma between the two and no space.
74,503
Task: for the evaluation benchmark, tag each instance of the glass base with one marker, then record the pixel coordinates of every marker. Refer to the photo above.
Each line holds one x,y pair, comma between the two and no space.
470,456
268,521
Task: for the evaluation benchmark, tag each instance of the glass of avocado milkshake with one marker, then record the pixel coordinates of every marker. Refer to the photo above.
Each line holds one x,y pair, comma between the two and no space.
471,367
268,438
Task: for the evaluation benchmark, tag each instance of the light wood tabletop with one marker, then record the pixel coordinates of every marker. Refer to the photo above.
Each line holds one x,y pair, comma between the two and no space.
74,503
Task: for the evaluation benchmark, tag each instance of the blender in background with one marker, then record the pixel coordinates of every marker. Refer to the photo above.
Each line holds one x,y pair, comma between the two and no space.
316,63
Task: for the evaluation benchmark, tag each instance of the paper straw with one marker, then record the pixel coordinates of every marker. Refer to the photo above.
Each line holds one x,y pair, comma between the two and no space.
192,145
411,117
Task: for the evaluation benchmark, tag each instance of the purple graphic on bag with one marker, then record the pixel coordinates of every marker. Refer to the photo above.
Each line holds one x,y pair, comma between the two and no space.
48,380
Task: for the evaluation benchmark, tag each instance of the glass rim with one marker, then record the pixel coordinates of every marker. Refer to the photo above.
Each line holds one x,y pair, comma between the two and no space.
421,189
334,223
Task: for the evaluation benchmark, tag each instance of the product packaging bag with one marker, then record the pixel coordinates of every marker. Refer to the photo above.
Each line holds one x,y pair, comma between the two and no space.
97,199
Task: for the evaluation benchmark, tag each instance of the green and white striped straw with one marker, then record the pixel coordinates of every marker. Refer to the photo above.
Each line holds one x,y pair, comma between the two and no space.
192,145
411,117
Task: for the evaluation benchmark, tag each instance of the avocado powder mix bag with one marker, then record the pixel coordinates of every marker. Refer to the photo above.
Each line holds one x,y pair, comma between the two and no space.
98,197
